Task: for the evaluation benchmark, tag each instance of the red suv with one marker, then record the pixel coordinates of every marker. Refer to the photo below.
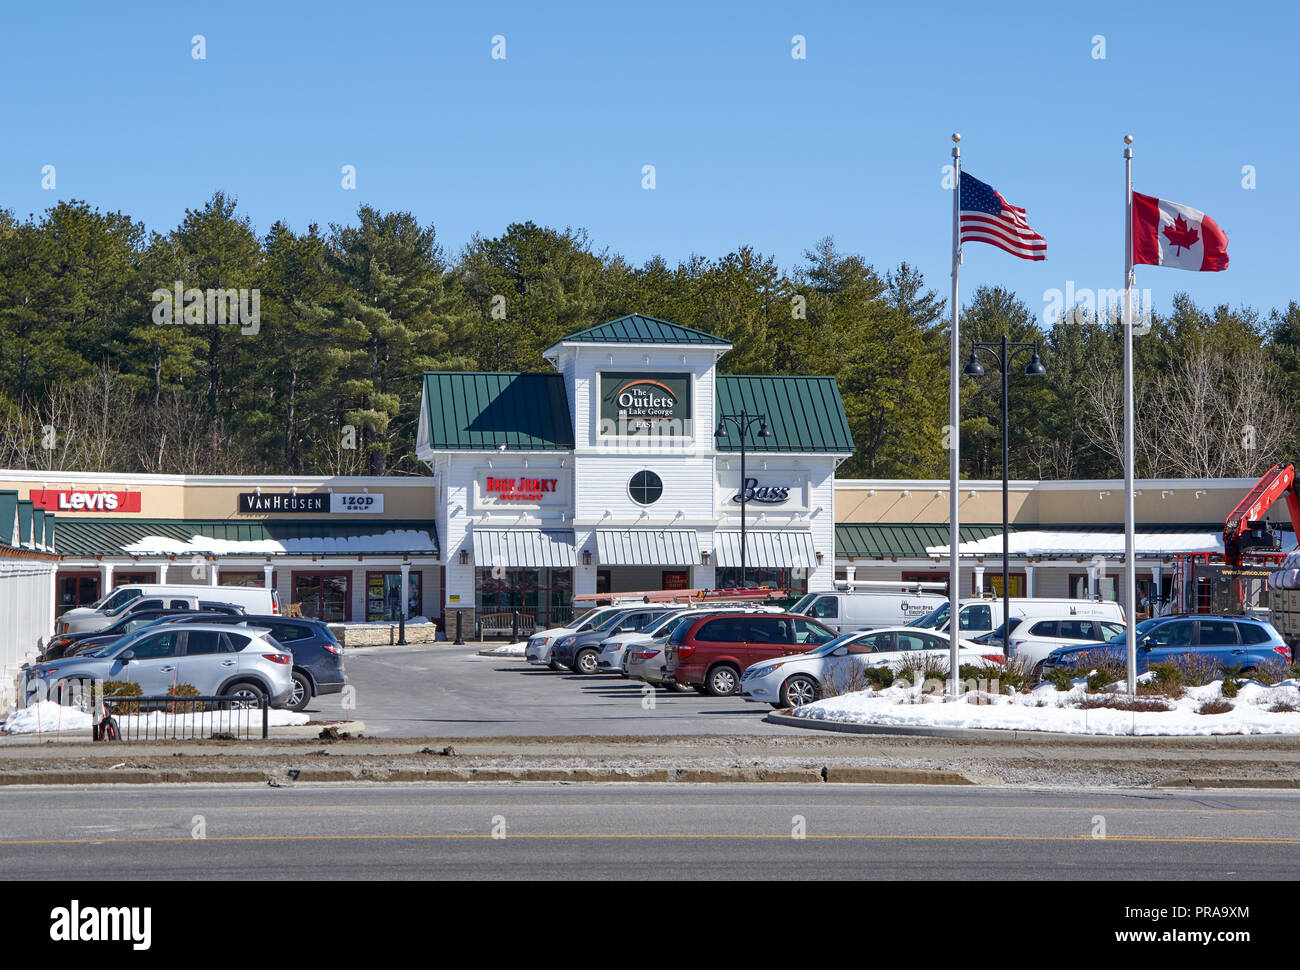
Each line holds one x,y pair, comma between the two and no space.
711,652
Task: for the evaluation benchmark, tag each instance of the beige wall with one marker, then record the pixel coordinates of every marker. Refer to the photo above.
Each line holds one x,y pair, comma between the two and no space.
202,497
1045,503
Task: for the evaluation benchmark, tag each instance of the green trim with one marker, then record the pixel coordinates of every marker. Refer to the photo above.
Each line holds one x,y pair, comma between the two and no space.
888,540
636,328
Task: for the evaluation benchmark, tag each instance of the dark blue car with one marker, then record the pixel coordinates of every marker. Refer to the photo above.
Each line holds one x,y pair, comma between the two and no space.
1238,640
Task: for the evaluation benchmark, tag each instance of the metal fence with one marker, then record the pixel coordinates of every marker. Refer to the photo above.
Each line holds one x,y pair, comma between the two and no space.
169,718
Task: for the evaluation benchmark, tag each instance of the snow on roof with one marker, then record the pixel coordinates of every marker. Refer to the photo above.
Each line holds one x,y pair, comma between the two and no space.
1046,543
394,540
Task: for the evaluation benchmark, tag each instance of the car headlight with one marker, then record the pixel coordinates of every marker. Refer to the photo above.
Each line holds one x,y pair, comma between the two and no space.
566,642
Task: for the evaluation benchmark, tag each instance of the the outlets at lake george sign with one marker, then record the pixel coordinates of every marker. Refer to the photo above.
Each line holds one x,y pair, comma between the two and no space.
634,402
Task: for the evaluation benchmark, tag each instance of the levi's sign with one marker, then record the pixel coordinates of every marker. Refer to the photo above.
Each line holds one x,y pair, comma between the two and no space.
85,500
283,502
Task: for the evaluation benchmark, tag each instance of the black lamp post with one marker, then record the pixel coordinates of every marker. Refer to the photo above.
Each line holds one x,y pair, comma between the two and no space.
1004,353
743,422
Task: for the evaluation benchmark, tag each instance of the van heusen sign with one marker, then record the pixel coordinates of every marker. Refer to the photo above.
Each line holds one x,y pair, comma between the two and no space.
85,500
337,503
251,502
633,403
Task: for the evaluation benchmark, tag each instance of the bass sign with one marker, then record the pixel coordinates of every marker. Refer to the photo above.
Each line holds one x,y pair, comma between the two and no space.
768,494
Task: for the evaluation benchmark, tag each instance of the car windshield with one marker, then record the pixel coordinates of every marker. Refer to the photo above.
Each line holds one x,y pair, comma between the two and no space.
611,620
997,634
1138,630
932,620
804,603
832,645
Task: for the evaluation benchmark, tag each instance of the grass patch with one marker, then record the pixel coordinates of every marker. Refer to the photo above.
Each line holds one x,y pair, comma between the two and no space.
1123,702
1284,707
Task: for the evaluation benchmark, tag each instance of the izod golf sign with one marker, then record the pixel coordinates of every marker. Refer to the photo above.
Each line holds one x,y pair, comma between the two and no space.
85,500
634,403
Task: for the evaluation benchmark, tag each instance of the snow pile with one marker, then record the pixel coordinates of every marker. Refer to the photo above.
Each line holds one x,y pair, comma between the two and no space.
509,650
1048,709
47,717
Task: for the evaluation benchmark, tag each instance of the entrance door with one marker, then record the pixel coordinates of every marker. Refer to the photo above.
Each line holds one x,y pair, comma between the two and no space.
77,589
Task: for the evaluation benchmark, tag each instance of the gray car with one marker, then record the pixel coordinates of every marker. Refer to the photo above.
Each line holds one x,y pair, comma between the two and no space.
217,660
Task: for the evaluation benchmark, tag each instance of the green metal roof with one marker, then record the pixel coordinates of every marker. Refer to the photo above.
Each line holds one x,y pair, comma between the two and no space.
635,328
482,412
80,537
8,516
805,414
886,540
24,521
38,526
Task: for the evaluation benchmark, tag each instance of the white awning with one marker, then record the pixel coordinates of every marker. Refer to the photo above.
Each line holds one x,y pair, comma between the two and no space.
1048,544
534,548
648,547
765,548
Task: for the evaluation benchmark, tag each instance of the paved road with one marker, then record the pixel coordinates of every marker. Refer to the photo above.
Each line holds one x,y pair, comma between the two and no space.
450,691
644,831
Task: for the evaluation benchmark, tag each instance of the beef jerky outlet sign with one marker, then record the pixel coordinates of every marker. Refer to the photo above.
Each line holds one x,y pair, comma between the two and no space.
630,402
318,502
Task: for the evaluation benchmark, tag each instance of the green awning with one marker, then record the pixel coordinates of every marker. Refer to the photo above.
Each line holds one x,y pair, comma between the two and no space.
86,537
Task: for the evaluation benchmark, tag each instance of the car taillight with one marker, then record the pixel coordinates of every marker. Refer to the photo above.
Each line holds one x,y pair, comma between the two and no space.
647,654
278,658
1283,652
995,657
331,648
684,651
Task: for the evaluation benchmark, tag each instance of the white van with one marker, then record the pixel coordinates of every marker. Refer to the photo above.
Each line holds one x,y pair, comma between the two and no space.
981,615
848,610
87,619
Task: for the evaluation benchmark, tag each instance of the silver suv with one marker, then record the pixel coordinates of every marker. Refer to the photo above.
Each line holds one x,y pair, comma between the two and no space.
216,659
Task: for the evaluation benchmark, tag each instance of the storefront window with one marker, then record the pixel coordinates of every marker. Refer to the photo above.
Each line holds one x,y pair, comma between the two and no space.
546,594
384,596
241,579
324,596
793,579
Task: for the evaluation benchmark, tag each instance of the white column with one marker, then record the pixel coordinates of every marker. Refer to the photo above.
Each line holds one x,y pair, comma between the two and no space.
106,578
162,572
979,580
1092,582
268,576
1156,575
212,573
849,573
406,589
1029,579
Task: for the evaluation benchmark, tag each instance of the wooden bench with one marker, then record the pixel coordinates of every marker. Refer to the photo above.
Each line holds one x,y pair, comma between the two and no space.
503,624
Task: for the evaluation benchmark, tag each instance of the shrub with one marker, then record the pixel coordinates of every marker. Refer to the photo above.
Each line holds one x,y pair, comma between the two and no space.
1198,669
1099,680
921,669
185,707
878,677
1105,668
1216,705
1270,672
1122,702
1012,673
123,688
1168,676
1061,677
1284,706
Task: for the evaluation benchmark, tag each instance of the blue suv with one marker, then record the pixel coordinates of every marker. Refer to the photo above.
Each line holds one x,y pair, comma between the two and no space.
1231,640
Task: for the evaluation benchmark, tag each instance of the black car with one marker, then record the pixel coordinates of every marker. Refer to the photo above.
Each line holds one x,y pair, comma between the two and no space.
317,655
69,644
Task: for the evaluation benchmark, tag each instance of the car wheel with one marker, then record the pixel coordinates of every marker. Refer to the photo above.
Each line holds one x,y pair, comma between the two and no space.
301,694
556,665
800,690
722,681
245,694
585,662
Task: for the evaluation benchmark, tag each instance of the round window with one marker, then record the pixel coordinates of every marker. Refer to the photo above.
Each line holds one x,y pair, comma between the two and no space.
645,488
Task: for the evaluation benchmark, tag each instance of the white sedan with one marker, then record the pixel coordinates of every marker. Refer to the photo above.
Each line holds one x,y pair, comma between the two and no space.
803,678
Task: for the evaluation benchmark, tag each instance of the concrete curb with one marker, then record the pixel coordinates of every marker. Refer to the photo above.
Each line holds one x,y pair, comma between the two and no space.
1291,783
998,734
283,778
353,728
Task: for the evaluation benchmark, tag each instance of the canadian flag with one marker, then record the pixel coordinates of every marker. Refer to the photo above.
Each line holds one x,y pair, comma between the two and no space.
1168,234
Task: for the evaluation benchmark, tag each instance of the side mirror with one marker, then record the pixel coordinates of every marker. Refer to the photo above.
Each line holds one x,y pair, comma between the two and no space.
840,651
126,656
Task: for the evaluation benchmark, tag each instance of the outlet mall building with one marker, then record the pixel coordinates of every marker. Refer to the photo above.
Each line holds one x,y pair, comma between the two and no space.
604,475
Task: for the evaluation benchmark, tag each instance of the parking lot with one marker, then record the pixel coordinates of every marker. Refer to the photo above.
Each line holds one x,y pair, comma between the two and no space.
451,691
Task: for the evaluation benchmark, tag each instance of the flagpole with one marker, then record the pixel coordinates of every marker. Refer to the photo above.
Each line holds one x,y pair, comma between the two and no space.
1130,564
954,437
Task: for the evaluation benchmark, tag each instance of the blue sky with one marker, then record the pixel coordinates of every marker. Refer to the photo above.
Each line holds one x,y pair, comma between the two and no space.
749,144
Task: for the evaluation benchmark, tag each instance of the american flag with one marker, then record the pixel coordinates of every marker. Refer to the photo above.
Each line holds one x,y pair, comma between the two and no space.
987,217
